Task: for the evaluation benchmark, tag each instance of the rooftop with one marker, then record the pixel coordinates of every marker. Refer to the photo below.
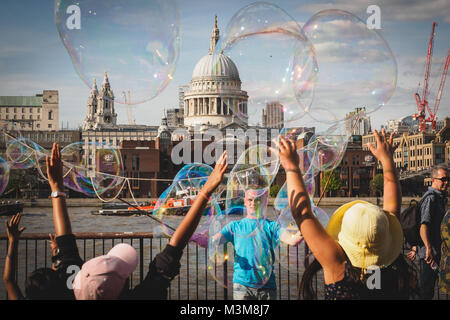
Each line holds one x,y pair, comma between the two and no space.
21,101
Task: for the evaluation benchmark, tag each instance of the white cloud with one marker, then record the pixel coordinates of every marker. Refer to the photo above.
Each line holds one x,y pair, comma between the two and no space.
398,10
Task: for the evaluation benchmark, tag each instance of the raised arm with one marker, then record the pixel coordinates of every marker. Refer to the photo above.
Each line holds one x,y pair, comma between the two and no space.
12,228
327,251
190,222
61,218
384,152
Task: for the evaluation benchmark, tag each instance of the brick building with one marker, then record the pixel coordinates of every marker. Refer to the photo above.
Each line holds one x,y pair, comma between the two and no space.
357,169
147,162
419,151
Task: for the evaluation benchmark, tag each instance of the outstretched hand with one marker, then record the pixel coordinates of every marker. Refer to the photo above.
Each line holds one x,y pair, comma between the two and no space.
54,169
385,149
411,255
12,228
216,176
288,154
53,243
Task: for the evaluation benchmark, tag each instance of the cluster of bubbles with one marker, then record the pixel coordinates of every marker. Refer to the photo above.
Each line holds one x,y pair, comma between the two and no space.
315,73
324,69
247,193
91,168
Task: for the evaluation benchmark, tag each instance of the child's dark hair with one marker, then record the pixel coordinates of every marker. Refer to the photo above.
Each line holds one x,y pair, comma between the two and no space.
398,281
45,284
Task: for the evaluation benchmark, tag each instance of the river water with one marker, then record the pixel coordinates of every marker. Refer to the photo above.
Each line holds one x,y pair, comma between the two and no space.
39,220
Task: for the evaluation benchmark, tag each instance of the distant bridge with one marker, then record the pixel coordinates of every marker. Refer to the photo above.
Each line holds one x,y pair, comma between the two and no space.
413,174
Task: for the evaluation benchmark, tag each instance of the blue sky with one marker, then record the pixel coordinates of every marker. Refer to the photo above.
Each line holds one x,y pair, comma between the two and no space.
33,58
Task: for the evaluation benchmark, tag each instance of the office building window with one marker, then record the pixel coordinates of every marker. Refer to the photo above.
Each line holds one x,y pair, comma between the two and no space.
133,162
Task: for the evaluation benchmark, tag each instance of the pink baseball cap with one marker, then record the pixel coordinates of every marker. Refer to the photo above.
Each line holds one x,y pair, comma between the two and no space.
103,278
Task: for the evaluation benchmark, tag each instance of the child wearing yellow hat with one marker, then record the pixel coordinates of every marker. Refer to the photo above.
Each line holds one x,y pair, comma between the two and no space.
361,249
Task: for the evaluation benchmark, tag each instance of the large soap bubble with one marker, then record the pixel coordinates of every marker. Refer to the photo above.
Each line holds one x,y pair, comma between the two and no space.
9,131
218,252
250,180
276,64
357,66
178,198
4,175
287,248
320,214
287,252
254,253
92,168
23,153
137,42
326,150
281,200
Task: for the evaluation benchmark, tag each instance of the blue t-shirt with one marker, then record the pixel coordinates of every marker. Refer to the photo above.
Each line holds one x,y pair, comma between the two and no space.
253,251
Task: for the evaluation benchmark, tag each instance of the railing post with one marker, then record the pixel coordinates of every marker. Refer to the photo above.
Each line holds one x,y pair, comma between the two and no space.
187,269
141,258
225,272
206,273
196,268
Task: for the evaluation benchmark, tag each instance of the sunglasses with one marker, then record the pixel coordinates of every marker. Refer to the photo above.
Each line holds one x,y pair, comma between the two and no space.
444,179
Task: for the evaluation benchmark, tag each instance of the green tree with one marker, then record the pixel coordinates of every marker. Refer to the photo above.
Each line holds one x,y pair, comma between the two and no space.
335,181
376,184
20,181
274,190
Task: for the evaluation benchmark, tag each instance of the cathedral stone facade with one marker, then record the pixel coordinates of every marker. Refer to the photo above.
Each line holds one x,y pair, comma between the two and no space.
100,108
214,91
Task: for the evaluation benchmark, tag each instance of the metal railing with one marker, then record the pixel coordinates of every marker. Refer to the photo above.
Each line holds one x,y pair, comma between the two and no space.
195,281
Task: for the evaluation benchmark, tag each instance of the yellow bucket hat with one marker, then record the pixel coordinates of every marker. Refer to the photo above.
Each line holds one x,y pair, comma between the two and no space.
368,235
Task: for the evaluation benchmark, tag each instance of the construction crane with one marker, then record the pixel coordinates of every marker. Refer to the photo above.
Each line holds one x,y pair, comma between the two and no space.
422,102
128,106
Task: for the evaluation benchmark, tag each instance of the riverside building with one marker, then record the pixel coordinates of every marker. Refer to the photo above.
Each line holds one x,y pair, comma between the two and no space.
31,113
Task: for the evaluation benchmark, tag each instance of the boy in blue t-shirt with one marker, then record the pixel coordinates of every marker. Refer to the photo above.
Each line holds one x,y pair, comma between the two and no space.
254,240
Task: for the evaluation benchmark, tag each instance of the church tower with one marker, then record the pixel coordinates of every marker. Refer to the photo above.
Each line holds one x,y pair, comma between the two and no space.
215,34
91,108
164,137
105,117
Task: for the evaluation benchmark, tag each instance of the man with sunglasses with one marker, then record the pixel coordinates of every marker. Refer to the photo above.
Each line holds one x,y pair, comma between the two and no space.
432,212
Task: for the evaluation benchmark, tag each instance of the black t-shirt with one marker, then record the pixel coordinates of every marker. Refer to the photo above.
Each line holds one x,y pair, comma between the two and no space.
67,262
163,268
